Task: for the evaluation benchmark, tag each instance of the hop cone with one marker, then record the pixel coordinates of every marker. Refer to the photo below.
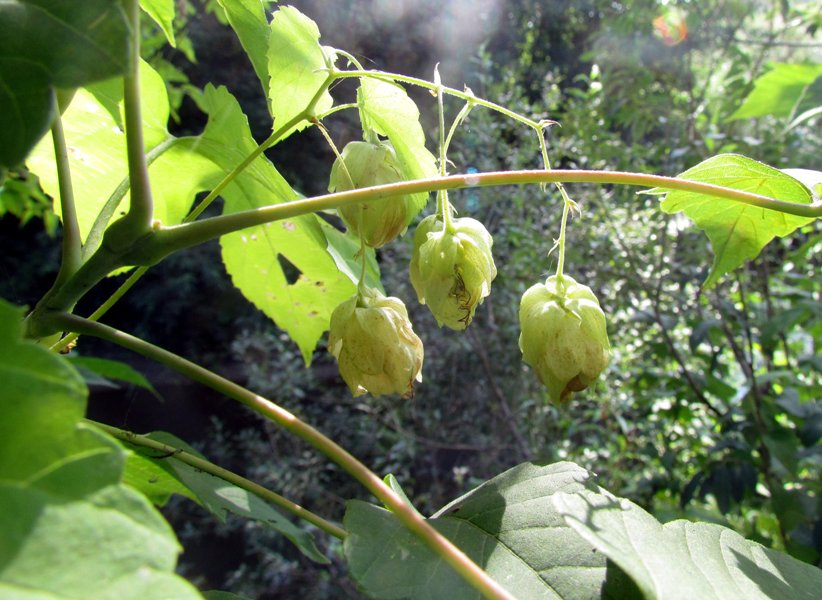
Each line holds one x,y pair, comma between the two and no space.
563,336
369,164
452,271
375,345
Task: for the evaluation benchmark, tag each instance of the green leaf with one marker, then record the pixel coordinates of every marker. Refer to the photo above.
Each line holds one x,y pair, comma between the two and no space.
43,45
507,525
386,109
144,474
778,91
297,66
247,19
162,11
113,369
684,559
737,231
70,529
97,145
43,396
302,304
221,498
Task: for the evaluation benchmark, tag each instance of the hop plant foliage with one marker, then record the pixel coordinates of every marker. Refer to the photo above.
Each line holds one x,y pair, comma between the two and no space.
452,268
375,345
563,335
367,164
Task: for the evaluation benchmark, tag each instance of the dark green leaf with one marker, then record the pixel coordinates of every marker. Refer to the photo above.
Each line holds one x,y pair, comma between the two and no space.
737,231
507,525
683,559
221,498
112,369
46,44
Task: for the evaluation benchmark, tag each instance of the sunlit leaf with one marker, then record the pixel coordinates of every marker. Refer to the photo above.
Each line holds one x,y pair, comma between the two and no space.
296,64
386,109
162,11
301,301
737,231
684,559
779,91
507,525
93,125
46,45
247,18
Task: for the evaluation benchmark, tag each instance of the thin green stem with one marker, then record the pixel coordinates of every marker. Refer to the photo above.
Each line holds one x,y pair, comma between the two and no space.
566,208
98,228
72,247
141,209
121,291
224,474
405,513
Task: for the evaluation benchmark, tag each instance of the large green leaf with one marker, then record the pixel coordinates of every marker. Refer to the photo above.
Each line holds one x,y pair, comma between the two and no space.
68,527
507,525
221,498
779,91
386,109
93,125
247,19
296,64
737,231
300,303
682,559
46,44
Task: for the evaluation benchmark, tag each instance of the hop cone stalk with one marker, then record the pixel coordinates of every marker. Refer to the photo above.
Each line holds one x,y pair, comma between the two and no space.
375,346
452,270
563,336
370,164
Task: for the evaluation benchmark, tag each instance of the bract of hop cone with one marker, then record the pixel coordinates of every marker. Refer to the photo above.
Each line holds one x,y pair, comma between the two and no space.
368,164
375,346
452,268
563,335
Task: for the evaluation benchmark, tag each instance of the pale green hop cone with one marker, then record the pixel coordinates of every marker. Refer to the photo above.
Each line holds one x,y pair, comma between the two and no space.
563,336
369,164
375,346
452,271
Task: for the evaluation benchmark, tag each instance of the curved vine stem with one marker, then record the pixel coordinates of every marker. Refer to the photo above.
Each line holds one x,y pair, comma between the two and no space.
224,474
407,515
